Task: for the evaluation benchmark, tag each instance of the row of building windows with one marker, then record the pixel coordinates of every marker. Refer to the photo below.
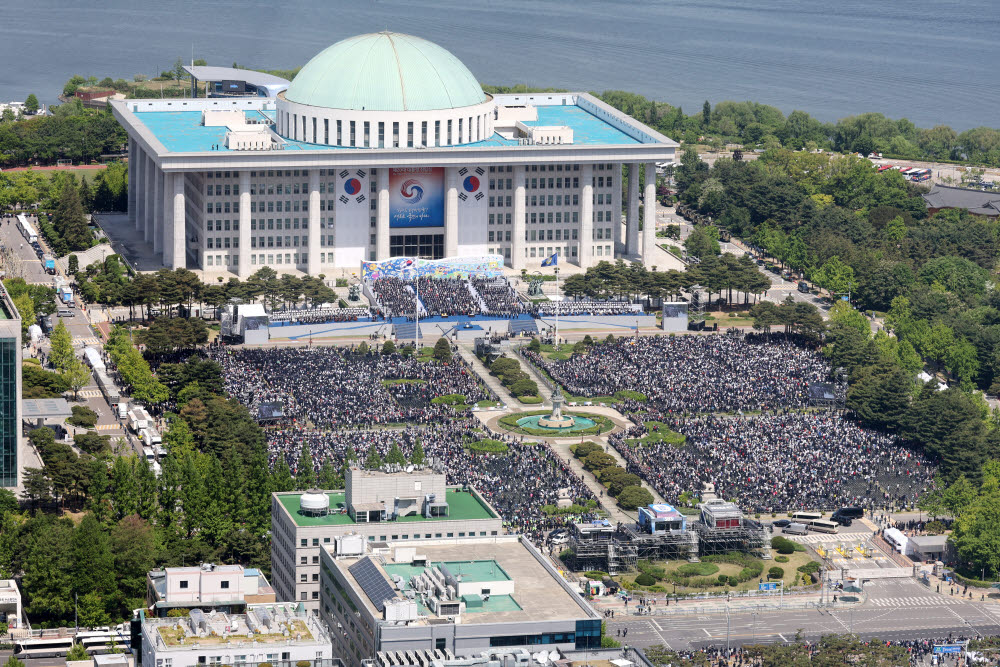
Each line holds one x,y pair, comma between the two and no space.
358,134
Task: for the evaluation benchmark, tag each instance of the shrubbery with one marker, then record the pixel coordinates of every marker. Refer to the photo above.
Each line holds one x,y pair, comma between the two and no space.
645,580
782,545
775,573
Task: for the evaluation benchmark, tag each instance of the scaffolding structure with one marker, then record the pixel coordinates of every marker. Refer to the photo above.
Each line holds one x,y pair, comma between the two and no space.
749,537
675,545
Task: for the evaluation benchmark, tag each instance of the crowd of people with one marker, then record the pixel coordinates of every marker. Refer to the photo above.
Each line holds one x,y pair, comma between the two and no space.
779,462
919,653
693,374
584,307
333,396
446,297
500,298
316,316
395,297
337,387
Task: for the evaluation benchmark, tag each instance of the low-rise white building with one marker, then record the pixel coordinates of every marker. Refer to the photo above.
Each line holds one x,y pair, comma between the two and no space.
226,588
277,635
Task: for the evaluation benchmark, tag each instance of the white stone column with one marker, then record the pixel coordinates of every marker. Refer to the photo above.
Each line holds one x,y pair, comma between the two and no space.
179,255
149,194
451,213
158,195
616,192
167,230
315,226
517,241
243,270
139,167
132,152
649,215
632,212
382,229
585,258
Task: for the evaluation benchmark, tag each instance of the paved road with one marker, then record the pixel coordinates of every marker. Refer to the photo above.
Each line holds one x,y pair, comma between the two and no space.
22,261
896,609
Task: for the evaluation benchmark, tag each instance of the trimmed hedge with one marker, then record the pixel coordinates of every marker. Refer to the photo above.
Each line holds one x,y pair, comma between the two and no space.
782,545
645,580
697,569
488,446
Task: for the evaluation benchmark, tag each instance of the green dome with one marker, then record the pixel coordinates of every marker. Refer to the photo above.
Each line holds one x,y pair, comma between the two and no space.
385,71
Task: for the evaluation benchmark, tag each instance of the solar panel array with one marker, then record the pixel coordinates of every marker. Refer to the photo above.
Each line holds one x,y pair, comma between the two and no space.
372,582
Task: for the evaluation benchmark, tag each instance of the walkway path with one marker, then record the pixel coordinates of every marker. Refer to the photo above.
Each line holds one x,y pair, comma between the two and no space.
491,381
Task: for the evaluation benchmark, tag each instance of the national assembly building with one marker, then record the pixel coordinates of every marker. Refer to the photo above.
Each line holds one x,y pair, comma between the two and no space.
385,145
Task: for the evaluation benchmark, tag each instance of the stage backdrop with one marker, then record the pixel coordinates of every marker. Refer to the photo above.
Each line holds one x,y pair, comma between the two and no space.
416,197
486,266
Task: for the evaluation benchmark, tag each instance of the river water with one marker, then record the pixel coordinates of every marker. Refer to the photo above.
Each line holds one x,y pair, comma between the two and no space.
934,63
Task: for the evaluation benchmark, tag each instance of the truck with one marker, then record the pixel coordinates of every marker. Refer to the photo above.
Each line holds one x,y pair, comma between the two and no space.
50,263
66,297
139,419
93,359
150,456
151,438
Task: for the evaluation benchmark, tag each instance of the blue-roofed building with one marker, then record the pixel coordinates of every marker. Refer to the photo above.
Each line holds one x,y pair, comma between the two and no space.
385,145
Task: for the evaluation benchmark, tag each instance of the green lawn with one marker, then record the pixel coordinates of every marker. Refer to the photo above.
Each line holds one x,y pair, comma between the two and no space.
792,576
661,434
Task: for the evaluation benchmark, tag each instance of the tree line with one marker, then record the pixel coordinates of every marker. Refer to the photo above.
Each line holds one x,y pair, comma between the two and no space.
71,133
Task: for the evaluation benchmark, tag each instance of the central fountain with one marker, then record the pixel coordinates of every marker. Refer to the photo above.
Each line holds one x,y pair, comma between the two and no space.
556,422
557,419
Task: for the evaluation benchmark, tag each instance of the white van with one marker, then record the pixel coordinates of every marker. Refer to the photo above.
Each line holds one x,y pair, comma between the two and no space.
796,529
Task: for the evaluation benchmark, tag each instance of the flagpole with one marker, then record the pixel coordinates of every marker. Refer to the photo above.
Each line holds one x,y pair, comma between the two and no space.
556,347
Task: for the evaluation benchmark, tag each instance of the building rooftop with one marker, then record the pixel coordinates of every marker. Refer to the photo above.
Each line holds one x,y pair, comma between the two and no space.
385,71
538,594
462,506
262,624
975,201
212,73
182,131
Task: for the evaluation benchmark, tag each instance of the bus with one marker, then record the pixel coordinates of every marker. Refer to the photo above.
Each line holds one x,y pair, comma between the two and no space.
42,647
823,526
806,517
921,175
27,231
102,642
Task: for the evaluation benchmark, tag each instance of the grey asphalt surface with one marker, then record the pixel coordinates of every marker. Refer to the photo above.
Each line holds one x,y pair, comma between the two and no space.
896,609
27,265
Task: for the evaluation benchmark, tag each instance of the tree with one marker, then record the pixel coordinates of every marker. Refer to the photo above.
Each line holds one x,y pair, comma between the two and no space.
61,348
845,314
373,461
632,497
73,264
305,474
442,350
77,376
417,455
178,70
388,347
835,276
69,219
31,105
77,652
706,114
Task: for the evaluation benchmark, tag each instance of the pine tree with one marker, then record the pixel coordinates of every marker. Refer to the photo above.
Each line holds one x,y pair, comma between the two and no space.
395,456
417,455
328,478
374,461
305,474
281,477
69,219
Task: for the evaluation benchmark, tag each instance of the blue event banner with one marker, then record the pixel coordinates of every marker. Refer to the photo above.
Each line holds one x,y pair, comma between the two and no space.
416,197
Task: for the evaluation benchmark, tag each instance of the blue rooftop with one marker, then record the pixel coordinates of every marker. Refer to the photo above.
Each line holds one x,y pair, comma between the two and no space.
182,131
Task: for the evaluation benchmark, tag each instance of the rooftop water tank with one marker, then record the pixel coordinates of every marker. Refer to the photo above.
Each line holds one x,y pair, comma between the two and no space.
315,503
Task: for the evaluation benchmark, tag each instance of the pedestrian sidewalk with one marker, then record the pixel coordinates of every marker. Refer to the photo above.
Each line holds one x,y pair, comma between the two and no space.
491,381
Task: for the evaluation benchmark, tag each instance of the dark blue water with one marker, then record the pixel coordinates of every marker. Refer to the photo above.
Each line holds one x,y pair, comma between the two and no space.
934,63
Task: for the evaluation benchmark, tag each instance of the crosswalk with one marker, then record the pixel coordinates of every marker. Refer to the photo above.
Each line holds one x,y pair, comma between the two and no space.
916,601
108,427
821,538
90,340
89,393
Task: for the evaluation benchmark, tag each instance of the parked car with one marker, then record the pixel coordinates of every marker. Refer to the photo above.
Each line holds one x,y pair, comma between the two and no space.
780,523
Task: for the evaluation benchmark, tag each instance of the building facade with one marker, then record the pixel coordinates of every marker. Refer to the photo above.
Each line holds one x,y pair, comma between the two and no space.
227,588
10,390
385,145
377,507
456,597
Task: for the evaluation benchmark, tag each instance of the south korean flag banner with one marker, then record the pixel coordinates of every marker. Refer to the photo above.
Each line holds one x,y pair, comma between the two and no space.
472,188
352,188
